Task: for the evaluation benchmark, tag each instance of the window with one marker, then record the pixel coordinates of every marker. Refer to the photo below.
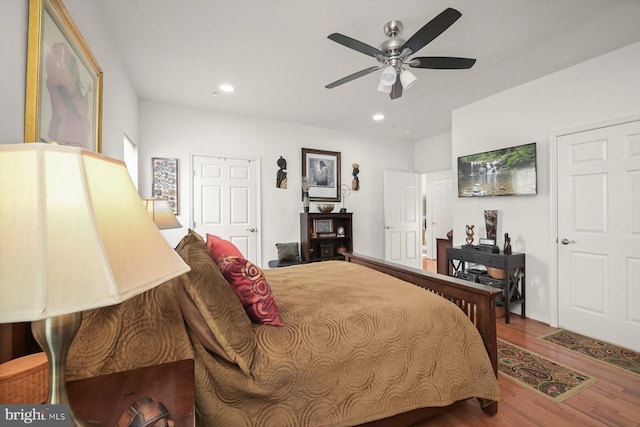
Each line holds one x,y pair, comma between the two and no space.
131,159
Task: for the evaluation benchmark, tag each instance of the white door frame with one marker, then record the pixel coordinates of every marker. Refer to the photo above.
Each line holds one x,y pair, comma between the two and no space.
554,305
193,154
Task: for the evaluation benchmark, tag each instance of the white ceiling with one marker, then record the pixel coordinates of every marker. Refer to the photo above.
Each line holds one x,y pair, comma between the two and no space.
277,55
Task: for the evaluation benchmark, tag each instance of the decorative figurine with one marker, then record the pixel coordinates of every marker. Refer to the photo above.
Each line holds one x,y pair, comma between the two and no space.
507,244
355,184
469,232
281,176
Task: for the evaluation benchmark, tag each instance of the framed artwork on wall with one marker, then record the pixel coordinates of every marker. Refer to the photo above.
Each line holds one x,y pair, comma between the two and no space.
64,81
164,182
322,172
504,172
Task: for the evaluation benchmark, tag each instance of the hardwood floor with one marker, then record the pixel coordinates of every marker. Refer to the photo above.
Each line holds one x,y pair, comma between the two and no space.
614,400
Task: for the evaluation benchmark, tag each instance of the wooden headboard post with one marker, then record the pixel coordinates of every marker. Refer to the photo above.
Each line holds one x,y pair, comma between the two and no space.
477,301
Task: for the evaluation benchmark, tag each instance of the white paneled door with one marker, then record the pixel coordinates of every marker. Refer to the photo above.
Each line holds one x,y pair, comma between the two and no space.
225,201
439,208
402,218
599,233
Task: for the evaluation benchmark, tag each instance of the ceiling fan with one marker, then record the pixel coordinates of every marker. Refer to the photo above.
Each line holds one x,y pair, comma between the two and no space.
393,54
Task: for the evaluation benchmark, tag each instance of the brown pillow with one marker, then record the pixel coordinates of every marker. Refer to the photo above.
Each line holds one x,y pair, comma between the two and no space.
217,304
197,324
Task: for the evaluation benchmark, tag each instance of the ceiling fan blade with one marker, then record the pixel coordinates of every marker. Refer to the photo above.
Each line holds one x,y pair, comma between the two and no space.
396,89
353,76
432,29
354,44
442,63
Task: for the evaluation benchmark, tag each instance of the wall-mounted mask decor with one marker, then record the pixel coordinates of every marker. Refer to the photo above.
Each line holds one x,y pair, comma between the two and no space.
355,184
281,175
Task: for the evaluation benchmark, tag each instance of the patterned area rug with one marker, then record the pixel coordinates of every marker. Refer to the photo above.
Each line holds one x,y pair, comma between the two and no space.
599,350
551,379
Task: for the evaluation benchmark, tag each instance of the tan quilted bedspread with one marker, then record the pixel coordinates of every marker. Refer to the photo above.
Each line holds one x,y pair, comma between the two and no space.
357,345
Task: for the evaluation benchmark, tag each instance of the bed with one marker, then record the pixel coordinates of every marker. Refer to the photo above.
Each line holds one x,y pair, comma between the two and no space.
359,344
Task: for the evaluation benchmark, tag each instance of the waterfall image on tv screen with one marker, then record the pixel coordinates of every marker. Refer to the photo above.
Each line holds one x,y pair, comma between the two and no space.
505,172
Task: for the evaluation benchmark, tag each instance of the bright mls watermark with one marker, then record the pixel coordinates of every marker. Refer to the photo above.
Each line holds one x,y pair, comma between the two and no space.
34,415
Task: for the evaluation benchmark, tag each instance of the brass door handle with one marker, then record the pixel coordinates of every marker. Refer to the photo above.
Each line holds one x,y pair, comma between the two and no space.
252,230
567,241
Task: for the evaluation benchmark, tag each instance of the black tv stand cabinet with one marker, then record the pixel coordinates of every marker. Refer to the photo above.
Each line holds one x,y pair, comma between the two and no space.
513,265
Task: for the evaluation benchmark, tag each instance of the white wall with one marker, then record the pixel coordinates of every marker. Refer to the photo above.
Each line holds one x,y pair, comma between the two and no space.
597,90
173,131
433,154
120,104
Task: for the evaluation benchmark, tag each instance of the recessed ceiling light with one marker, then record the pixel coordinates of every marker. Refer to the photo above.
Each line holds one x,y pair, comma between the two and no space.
378,117
226,88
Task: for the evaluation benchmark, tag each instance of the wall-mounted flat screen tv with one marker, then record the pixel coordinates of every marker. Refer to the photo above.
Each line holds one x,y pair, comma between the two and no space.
505,172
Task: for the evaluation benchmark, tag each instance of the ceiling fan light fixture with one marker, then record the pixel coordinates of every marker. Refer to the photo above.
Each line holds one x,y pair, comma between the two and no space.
388,76
407,78
383,88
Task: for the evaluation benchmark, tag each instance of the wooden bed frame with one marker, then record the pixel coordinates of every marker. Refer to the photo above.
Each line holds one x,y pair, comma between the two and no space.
477,301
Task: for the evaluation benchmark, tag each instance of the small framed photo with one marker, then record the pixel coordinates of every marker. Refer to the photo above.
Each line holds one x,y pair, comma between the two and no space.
340,232
323,226
490,242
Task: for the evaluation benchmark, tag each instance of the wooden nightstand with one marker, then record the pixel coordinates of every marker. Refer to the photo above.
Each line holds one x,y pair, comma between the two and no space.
105,398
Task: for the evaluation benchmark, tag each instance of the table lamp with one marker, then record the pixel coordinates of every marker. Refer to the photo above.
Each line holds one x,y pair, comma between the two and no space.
161,213
73,237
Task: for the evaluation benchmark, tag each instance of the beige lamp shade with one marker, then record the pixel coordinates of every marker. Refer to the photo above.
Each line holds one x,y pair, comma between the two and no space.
161,213
73,234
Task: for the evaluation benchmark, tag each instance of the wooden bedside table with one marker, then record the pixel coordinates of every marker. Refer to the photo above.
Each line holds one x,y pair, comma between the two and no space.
106,397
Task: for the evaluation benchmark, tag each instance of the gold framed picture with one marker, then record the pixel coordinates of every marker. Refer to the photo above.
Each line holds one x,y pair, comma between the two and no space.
64,81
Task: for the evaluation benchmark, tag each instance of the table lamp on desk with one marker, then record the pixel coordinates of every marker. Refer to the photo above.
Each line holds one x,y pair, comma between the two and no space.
74,236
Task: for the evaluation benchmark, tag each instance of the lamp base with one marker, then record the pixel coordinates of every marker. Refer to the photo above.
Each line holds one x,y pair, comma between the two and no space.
55,335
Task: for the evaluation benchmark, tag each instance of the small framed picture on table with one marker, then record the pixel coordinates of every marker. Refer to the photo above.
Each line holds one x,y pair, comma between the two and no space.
323,226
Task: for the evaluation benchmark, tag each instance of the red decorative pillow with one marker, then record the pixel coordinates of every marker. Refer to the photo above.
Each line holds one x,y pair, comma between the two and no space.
220,248
249,283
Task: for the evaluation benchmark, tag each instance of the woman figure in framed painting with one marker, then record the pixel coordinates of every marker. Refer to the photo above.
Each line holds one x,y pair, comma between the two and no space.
69,105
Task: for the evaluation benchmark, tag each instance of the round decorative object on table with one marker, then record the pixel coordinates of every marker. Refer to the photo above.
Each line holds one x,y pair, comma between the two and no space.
325,208
340,232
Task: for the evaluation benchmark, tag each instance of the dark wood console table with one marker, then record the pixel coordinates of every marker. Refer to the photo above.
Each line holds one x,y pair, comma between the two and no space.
513,265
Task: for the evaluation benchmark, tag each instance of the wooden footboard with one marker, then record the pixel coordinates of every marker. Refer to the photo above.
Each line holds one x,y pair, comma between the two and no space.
477,301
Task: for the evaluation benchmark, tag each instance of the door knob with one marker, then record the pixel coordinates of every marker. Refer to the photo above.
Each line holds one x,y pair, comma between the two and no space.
567,241
252,230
